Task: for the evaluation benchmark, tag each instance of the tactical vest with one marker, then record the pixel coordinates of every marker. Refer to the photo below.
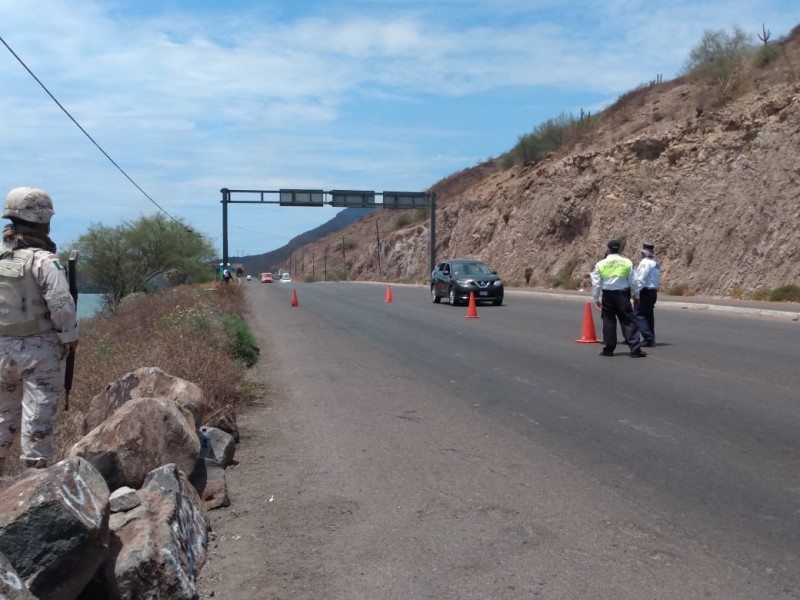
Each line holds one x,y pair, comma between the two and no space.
23,310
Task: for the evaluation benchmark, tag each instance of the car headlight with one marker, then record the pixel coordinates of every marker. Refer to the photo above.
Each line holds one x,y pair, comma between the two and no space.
498,283
464,282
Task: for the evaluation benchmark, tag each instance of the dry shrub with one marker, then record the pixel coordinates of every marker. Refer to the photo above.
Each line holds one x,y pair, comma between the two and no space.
761,293
179,331
680,289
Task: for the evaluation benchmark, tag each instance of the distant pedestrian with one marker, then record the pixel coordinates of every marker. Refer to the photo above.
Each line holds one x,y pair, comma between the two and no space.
226,275
647,279
612,284
38,326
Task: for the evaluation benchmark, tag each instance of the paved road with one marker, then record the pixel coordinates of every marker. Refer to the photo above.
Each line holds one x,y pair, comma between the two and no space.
498,458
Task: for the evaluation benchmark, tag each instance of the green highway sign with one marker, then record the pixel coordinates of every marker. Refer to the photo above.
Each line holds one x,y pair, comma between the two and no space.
405,200
301,197
353,198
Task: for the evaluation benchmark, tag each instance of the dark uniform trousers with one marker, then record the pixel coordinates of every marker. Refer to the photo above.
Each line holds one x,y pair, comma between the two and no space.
617,305
645,318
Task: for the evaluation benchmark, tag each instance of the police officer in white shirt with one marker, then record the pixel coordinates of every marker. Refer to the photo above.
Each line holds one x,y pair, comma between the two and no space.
647,279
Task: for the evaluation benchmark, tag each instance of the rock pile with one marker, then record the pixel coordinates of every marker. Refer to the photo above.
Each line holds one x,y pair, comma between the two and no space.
124,515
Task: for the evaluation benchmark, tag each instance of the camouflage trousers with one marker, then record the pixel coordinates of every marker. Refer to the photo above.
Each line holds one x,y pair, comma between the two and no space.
31,380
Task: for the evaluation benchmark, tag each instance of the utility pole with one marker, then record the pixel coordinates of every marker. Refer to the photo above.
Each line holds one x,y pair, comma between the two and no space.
378,236
325,264
344,261
432,197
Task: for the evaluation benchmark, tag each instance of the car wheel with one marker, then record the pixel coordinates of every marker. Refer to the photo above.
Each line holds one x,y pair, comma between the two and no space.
497,301
452,297
434,297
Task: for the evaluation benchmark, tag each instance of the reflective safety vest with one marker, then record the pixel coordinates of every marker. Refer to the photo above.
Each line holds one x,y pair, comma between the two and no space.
616,266
23,310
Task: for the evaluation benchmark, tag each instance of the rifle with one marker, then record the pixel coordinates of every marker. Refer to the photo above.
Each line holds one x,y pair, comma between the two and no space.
72,274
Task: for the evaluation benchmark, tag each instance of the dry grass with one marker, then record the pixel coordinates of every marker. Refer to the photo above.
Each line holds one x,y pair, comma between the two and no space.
680,289
178,330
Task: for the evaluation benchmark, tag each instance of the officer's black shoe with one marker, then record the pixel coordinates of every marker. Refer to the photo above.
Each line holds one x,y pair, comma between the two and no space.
638,354
606,353
649,343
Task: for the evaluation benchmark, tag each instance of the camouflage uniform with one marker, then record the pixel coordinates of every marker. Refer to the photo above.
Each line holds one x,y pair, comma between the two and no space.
31,366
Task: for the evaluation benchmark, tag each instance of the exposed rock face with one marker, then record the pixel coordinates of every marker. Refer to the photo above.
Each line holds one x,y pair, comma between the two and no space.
140,436
158,547
145,382
54,528
718,194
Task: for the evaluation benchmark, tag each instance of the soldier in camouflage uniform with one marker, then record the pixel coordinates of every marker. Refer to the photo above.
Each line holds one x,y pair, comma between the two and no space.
38,326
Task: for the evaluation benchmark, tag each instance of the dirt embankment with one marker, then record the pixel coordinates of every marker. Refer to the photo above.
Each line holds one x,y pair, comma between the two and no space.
716,189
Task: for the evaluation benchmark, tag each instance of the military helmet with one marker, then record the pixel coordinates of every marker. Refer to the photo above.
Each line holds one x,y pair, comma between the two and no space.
28,204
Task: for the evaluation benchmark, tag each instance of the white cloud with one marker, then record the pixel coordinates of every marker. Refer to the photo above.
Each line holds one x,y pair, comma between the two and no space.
191,99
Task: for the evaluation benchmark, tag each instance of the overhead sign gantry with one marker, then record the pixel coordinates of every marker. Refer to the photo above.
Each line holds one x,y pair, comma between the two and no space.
335,198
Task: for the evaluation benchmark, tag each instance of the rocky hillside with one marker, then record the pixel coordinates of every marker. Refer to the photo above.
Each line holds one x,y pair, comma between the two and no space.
712,178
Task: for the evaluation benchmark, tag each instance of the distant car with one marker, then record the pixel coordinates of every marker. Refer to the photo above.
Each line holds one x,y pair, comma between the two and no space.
266,278
285,278
248,278
455,279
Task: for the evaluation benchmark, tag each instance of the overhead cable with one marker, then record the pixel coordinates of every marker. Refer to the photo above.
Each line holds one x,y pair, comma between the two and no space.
113,162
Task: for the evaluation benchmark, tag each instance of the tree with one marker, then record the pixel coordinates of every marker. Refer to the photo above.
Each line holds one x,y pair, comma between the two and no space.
718,54
134,256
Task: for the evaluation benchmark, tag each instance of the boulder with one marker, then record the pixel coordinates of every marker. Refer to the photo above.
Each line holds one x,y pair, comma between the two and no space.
11,586
143,434
146,382
224,418
222,447
157,548
54,527
124,499
209,480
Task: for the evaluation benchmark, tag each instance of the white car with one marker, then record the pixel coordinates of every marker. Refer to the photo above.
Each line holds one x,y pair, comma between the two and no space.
285,278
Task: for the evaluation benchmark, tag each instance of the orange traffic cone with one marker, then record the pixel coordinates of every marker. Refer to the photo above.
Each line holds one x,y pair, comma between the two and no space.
294,298
587,335
472,311
388,294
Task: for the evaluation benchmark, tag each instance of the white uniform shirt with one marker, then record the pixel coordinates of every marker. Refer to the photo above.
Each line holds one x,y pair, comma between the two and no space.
647,275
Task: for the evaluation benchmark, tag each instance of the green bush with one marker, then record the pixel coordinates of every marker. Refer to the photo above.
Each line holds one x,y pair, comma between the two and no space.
765,55
785,293
507,160
244,342
404,220
548,137
718,54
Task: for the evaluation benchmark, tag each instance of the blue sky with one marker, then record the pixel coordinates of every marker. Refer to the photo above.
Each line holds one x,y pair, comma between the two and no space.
190,96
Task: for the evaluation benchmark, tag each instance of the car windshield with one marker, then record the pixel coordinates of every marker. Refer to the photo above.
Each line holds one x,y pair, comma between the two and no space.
476,268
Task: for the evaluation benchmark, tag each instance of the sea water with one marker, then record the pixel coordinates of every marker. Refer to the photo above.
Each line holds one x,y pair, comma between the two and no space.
89,305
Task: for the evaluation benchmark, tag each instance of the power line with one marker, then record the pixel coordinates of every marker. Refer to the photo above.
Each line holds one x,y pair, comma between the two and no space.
91,139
